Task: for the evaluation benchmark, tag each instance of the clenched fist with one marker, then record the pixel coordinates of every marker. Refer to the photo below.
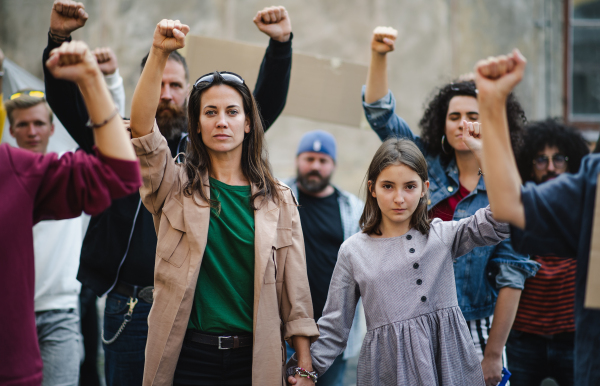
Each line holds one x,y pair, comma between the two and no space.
66,17
169,36
383,39
497,76
107,60
274,22
72,61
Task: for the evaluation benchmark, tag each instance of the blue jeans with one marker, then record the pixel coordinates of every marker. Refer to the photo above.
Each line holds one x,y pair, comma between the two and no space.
533,358
124,358
334,375
61,346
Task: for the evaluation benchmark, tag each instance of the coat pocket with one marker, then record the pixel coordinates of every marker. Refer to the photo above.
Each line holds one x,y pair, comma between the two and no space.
172,240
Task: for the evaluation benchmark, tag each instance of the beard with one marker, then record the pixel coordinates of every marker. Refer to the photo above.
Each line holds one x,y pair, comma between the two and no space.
171,119
312,185
549,176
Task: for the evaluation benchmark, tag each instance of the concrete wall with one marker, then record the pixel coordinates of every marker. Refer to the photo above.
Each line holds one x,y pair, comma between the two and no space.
438,40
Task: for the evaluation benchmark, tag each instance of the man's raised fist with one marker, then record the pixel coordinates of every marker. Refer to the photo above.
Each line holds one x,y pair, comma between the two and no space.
169,35
497,76
72,61
66,17
107,60
383,39
274,22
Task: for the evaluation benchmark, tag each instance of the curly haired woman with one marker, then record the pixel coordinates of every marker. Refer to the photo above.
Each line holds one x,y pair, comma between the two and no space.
489,280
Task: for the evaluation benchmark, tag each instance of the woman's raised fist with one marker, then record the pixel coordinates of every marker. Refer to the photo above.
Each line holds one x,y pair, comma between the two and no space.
383,39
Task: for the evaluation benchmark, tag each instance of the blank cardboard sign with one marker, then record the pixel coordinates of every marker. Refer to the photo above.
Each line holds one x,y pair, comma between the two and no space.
321,89
592,290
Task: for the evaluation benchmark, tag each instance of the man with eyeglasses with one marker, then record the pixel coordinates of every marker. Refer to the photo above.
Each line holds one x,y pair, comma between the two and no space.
542,339
118,253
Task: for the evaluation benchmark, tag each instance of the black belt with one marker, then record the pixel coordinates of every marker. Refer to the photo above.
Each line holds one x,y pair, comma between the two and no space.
222,342
134,291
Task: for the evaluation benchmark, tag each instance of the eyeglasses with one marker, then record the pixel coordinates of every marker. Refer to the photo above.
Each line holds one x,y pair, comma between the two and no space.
559,161
33,93
229,76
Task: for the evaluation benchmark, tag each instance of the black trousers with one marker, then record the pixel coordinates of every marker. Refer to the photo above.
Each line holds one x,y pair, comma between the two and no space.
203,365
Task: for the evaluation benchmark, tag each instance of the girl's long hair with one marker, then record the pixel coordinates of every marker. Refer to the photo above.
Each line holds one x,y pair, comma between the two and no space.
395,151
255,163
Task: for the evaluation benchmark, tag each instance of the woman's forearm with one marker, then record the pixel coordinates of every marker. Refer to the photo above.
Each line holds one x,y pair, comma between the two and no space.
147,93
504,317
501,175
302,347
377,78
111,139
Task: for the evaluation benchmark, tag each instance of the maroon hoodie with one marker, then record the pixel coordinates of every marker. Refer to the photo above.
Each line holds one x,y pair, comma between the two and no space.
36,187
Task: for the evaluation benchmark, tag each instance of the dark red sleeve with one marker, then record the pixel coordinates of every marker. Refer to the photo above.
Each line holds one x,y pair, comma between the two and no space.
75,182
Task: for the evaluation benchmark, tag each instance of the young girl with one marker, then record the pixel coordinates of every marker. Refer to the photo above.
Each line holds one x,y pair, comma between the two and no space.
230,278
401,266
488,281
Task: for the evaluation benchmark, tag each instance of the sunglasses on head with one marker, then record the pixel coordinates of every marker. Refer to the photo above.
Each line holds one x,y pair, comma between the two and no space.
559,161
33,93
229,76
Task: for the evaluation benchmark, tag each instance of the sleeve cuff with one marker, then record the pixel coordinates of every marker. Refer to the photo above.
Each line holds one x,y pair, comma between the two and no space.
388,102
128,171
148,143
279,49
301,327
511,276
113,80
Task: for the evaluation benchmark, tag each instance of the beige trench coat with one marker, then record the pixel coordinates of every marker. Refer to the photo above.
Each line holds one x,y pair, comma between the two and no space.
282,302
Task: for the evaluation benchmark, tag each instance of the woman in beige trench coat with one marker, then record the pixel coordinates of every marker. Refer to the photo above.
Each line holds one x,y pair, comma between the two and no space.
225,167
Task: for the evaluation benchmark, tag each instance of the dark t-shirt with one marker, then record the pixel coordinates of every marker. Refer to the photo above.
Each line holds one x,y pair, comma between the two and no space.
323,235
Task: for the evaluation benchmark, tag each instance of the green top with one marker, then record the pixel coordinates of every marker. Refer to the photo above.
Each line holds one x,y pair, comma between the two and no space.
224,297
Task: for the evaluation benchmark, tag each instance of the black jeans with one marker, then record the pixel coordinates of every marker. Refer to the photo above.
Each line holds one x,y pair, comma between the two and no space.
532,358
202,365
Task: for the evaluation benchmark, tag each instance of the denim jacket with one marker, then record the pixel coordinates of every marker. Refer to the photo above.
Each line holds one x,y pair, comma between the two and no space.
480,273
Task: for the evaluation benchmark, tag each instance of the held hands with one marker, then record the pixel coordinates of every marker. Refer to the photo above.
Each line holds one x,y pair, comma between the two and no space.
383,40
66,17
169,36
107,60
275,23
300,381
72,61
496,77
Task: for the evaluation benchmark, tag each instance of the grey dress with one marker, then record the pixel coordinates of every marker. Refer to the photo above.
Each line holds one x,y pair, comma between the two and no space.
416,332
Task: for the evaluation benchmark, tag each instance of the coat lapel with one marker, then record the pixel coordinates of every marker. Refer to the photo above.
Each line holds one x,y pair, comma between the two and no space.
265,230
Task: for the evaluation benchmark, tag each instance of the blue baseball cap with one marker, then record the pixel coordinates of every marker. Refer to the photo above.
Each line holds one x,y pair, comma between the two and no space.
318,141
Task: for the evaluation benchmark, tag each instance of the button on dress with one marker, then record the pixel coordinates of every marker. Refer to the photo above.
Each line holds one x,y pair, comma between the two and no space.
416,332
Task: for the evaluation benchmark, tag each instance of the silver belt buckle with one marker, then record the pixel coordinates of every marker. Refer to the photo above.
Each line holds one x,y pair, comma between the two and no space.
223,348
146,294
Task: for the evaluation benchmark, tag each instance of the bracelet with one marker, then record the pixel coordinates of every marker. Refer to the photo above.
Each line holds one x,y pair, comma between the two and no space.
312,375
92,125
58,38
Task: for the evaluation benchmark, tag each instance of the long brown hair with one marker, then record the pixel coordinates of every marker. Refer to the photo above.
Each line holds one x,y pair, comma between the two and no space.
395,151
255,163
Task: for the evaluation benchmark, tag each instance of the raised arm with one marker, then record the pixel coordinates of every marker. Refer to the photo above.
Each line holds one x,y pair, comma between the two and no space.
107,61
63,96
74,62
378,102
382,42
273,80
478,230
169,36
495,79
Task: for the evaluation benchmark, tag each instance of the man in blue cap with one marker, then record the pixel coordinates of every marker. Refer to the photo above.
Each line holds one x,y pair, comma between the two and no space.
329,216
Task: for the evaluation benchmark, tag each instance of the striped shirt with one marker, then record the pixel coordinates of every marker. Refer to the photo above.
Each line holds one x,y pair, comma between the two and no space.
548,300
